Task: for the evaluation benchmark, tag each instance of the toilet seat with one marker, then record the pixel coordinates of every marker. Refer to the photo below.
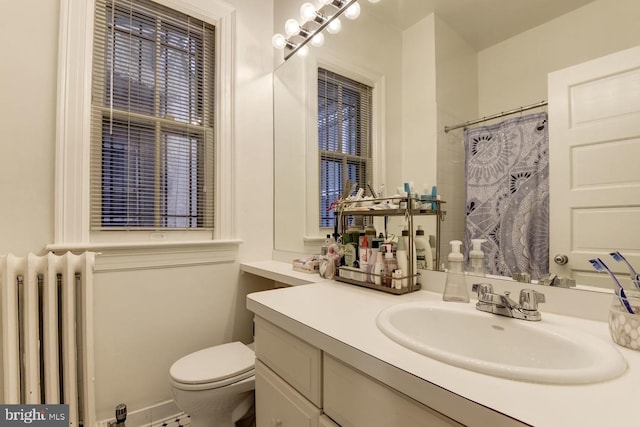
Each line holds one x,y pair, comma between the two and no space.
213,367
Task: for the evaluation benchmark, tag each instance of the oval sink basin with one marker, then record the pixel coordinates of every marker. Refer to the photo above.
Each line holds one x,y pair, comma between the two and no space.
462,336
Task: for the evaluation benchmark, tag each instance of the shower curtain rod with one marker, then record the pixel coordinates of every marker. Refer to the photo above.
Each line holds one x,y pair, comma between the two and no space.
495,116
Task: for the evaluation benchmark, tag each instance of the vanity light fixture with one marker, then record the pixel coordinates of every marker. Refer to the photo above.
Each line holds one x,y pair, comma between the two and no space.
314,21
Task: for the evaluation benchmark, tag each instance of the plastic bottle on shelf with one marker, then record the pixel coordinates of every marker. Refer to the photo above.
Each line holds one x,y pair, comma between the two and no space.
370,231
328,241
350,251
434,197
455,288
403,259
390,264
476,258
374,250
379,268
424,257
363,249
396,283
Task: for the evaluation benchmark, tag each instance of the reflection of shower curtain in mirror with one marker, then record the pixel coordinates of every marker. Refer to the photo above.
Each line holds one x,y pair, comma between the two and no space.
507,189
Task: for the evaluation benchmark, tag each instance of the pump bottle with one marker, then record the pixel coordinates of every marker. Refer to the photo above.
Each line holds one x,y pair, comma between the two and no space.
476,258
455,288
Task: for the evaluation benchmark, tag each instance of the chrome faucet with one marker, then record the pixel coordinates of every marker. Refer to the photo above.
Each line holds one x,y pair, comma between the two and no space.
503,305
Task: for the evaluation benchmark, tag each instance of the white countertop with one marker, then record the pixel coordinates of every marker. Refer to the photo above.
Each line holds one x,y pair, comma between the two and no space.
340,319
280,272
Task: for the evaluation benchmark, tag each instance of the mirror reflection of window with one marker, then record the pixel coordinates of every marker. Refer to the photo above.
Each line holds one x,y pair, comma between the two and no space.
344,138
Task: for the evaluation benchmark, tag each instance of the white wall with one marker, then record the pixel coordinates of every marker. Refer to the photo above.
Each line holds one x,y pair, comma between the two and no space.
514,73
457,98
27,123
419,104
145,319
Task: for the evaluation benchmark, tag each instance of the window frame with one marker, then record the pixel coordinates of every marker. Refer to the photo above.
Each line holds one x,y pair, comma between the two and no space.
72,171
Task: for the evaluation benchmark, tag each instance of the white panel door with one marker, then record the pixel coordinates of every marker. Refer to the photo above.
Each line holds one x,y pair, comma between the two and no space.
594,151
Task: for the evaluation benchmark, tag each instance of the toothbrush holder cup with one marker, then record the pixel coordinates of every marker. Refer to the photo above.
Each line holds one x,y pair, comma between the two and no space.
624,327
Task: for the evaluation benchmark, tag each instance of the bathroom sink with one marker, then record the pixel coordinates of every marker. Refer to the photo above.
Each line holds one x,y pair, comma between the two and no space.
541,352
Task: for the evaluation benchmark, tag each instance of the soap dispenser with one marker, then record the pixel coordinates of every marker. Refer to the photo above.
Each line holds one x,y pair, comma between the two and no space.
476,258
455,288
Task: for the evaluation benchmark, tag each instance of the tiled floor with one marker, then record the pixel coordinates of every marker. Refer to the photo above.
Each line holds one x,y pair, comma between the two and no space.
180,421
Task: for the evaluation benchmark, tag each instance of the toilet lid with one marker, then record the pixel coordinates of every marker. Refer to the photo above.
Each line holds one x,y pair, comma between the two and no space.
214,364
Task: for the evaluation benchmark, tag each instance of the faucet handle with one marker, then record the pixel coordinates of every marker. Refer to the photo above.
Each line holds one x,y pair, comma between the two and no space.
529,299
482,289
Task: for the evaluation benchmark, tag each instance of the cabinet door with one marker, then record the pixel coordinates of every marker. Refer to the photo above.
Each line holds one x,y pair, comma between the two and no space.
279,405
294,360
353,399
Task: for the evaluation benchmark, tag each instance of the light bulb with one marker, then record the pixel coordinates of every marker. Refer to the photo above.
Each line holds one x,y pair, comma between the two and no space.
307,11
303,51
278,41
291,27
352,11
334,26
325,1
317,40
374,1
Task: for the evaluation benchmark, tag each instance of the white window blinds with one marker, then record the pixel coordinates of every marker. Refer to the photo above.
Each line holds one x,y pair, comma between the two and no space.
152,118
344,138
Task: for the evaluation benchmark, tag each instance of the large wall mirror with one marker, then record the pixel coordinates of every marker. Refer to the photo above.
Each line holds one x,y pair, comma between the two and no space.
432,64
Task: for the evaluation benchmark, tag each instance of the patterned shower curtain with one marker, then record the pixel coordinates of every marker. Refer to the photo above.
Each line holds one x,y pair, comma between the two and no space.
507,194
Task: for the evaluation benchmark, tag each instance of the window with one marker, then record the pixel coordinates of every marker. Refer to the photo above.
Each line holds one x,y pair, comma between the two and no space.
344,138
152,118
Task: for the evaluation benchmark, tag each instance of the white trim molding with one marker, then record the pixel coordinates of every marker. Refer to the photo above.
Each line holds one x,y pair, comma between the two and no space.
73,121
151,255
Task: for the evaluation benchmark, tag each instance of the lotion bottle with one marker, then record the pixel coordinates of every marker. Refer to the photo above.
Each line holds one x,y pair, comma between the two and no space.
424,257
476,258
455,288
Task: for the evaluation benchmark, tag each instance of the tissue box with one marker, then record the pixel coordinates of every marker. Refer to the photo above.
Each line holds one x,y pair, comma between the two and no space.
306,265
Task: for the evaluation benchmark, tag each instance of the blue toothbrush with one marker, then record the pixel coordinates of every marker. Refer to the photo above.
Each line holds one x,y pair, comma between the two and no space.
599,265
635,278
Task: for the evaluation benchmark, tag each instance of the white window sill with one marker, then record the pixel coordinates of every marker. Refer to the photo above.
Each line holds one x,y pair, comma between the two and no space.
152,255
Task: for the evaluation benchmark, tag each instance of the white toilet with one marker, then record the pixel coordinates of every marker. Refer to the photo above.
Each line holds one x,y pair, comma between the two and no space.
215,386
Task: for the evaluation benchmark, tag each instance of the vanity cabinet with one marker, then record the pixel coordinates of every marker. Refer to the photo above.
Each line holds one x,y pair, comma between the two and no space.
351,398
327,422
280,405
298,385
288,379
